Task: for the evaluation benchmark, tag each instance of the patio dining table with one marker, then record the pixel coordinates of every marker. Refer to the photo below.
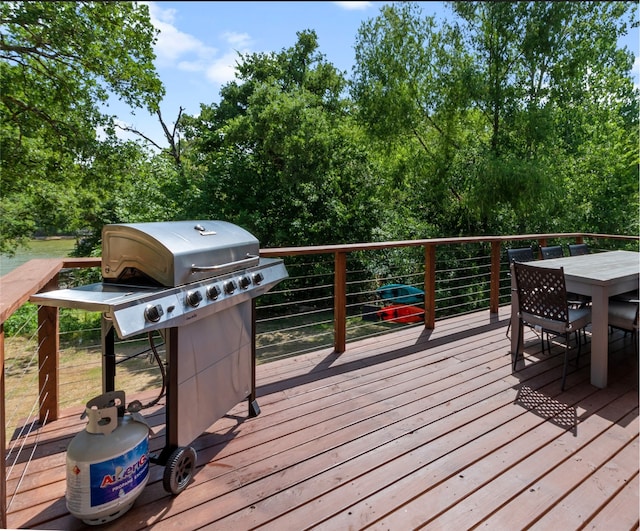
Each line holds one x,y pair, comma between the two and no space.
600,276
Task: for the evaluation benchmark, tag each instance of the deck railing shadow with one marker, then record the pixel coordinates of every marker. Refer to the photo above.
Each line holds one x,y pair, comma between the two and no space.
425,341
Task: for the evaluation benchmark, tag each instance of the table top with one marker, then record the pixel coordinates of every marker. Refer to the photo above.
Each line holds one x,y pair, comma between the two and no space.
607,267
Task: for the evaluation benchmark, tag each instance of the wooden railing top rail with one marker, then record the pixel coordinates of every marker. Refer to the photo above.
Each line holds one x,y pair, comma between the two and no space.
372,246
18,285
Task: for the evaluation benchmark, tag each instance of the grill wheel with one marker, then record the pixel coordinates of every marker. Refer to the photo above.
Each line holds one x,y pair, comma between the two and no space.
179,470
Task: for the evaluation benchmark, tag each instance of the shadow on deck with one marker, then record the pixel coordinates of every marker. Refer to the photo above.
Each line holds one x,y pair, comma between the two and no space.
410,429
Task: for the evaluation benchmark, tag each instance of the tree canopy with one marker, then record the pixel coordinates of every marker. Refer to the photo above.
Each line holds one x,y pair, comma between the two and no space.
509,117
281,154
503,110
59,61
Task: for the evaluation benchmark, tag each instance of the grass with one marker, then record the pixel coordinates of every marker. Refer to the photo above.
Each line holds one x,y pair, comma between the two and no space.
80,364
80,377
290,335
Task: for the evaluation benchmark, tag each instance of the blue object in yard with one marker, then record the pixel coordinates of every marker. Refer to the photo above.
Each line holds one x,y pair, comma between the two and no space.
400,293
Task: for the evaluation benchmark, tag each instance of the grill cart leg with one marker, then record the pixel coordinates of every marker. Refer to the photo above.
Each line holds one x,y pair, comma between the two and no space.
108,356
254,408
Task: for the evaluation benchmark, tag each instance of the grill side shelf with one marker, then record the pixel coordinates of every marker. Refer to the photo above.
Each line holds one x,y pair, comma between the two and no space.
93,297
134,310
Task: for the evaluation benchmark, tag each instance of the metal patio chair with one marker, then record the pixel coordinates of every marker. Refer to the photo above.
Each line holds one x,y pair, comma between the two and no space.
624,314
542,301
519,254
578,249
575,299
551,251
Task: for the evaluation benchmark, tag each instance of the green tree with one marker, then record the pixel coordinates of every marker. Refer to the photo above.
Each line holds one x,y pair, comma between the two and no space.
280,154
411,89
495,111
59,61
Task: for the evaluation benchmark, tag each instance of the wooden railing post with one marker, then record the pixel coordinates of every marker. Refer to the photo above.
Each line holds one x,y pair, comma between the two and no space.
542,242
48,358
430,286
340,303
494,290
3,439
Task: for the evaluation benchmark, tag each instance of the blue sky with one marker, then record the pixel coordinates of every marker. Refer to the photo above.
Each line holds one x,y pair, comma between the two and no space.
198,44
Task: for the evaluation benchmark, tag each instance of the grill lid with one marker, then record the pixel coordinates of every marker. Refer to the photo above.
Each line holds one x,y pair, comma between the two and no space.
175,253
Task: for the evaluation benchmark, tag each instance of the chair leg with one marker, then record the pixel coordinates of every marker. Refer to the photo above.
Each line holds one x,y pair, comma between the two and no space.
542,333
566,362
518,332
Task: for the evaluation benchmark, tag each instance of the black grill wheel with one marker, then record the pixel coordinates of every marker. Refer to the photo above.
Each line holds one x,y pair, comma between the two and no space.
179,470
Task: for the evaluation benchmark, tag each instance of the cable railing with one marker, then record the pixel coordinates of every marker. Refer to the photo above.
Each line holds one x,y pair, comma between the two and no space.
331,297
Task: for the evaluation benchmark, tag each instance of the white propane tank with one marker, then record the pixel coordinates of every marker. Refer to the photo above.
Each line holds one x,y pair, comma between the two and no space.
107,462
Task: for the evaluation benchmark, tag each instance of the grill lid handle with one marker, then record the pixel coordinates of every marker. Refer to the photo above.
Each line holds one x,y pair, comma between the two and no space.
203,231
249,258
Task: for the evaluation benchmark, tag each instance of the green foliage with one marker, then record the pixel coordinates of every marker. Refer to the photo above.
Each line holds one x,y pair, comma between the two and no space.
73,323
24,321
58,63
522,116
281,156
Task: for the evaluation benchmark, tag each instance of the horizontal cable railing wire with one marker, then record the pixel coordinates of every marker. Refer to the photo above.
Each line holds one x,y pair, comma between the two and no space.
297,315
22,399
292,319
462,280
369,313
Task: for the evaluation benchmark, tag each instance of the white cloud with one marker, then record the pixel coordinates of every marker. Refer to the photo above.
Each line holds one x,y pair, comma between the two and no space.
354,6
173,44
222,70
241,40
187,53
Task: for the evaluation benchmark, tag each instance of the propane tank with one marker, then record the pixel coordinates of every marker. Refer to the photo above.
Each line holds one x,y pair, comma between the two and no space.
107,462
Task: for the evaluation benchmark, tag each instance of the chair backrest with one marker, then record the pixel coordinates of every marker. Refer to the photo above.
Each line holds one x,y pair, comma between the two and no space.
552,251
577,249
523,254
542,292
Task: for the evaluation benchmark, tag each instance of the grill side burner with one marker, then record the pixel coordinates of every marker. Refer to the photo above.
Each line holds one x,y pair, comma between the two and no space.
195,282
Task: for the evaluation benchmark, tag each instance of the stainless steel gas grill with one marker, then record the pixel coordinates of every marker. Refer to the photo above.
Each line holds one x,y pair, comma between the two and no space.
195,283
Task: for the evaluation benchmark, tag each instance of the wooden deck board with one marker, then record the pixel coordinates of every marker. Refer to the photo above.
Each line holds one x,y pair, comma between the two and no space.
410,429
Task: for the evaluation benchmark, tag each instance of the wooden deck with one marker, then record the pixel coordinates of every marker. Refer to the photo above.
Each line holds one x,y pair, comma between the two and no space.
409,430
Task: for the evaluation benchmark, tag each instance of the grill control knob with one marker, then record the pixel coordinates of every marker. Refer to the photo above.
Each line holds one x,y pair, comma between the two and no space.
213,292
152,313
257,278
230,286
245,282
194,298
